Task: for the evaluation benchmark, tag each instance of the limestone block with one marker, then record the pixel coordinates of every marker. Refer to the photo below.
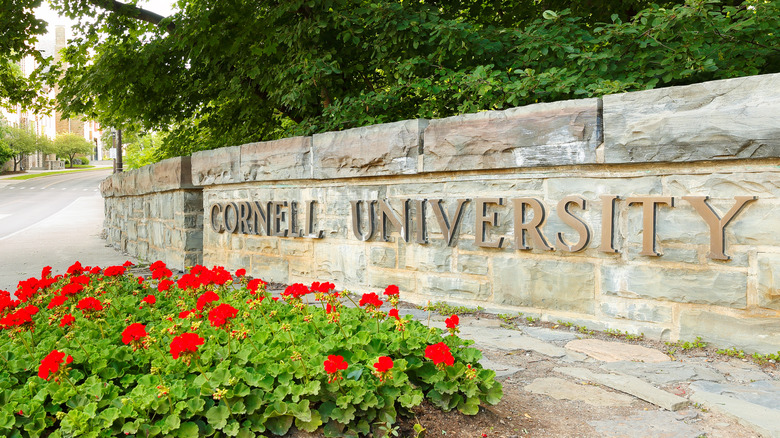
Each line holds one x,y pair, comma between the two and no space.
284,159
458,288
472,264
592,188
386,149
548,284
171,174
269,268
193,241
260,244
636,310
295,247
725,185
720,288
383,257
217,166
381,278
545,134
670,254
769,280
343,263
425,258
757,224
717,120
144,182
749,333
467,186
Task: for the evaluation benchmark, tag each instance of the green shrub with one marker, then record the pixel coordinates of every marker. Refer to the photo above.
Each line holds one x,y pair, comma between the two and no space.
84,161
102,353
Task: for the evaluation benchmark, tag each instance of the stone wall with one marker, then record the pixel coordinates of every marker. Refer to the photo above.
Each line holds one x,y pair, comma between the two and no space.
628,240
155,213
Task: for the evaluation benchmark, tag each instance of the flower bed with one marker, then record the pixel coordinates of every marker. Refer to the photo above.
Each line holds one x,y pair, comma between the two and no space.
101,353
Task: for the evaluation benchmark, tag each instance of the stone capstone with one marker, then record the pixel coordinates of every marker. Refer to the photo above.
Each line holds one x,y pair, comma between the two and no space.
284,159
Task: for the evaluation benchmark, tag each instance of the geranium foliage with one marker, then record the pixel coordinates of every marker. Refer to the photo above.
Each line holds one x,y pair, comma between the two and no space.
215,355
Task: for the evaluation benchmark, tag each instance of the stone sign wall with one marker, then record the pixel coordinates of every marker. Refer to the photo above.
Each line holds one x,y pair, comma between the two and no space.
653,211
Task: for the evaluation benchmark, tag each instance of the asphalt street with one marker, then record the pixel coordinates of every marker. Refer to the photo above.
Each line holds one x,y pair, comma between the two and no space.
52,221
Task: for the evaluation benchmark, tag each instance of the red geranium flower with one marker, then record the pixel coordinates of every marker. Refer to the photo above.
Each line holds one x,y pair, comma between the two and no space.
51,364
393,313
219,315
159,264
21,318
134,333
164,285
253,285
46,272
75,269
185,314
439,354
67,320
186,344
296,290
392,290
149,299
383,364
162,273
241,273
371,299
206,299
57,301
333,366
127,264
89,304
452,324
114,271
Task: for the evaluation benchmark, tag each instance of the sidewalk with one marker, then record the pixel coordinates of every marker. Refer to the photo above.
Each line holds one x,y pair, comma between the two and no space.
582,386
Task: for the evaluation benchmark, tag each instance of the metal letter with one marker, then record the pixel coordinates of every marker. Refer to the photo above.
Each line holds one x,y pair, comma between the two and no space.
294,231
608,223
578,224
244,213
441,216
480,237
386,213
716,224
648,220
356,230
422,228
219,228
310,233
532,227
230,226
261,216
277,217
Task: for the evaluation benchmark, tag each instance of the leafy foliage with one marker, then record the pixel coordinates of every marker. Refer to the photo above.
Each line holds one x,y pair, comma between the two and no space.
19,31
203,356
70,145
23,141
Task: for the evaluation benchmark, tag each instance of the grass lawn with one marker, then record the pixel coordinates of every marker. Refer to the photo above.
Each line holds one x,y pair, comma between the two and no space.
36,175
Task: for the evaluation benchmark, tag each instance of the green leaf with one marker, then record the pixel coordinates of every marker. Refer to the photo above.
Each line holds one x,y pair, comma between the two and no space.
217,416
310,426
279,425
188,430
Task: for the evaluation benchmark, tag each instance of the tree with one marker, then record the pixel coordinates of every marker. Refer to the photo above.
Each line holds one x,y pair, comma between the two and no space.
19,31
221,73
71,145
22,142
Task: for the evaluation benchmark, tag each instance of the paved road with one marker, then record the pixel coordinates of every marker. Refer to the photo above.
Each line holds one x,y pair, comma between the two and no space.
51,221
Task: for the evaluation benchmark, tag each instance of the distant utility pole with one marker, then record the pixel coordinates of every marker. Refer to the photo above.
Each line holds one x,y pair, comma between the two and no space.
116,138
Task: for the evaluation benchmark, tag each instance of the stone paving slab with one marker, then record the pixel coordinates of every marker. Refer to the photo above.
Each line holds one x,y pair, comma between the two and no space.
647,424
764,393
561,389
508,340
740,371
549,335
616,351
630,385
664,373
501,369
764,420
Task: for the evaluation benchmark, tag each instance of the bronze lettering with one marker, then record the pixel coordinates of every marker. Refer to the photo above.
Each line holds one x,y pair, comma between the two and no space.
483,219
230,220
447,229
260,216
387,214
244,212
215,215
531,227
608,223
573,221
422,228
648,220
294,231
277,217
310,232
716,224
356,220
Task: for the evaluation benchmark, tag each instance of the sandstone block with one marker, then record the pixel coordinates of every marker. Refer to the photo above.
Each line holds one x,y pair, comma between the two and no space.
274,269
217,166
717,120
545,134
284,159
386,149
769,280
457,288
473,264
340,263
548,284
720,288
383,257
381,278
636,310
425,258
748,333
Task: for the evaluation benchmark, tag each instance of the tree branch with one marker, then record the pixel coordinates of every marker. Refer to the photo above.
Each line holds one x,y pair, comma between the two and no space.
132,11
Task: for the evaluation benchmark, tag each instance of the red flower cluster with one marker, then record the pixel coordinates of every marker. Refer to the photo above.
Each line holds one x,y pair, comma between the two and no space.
89,304
205,300
51,364
393,313
392,291
296,290
71,289
383,364
164,285
57,301
114,271
67,320
241,273
6,303
452,324
322,287
134,333
333,366
149,299
371,299
255,284
439,354
21,318
220,315
186,344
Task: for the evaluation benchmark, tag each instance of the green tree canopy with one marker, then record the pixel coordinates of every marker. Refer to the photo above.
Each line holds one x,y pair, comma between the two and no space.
19,31
22,142
70,145
220,73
